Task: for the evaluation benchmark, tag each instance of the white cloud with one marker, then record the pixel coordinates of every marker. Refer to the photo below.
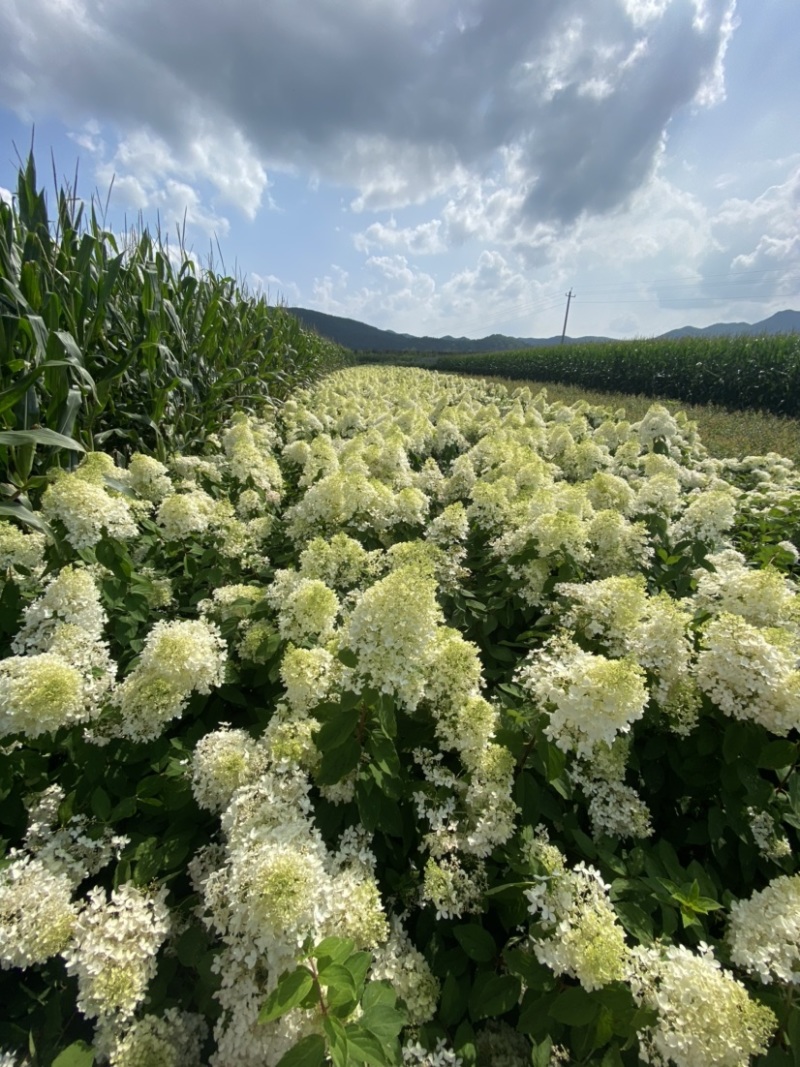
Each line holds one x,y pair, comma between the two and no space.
400,101
424,239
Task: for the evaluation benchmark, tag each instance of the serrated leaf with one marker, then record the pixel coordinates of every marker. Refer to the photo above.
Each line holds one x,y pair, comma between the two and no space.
291,990
477,943
337,730
333,950
493,995
364,1047
379,994
338,1044
347,657
338,762
341,986
381,1019
78,1054
358,964
310,1052
777,754
575,1007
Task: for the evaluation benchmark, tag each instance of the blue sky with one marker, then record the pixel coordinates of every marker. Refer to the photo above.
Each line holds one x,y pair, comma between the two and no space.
437,166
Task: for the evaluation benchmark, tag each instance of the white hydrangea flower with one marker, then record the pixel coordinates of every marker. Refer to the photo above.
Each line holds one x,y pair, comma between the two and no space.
616,545
37,912
399,962
659,494
588,698
450,526
113,951
307,674
771,844
222,761
340,562
416,1055
39,694
72,596
148,477
608,491
248,447
763,597
391,630
707,517
231,601
181,515
657,425
607,610
87,509
750,673
308,614
173,1039
451,889
584,939
21,548
74,849
178,658
764,932
705,1016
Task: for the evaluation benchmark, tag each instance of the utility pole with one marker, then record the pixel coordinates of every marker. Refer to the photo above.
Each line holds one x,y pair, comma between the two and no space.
569,297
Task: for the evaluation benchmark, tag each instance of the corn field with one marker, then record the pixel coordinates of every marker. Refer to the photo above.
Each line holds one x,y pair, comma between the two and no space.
761,373
116,343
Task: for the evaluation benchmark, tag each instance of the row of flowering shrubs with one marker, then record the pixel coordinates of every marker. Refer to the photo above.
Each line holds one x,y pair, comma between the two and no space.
738,372
415,722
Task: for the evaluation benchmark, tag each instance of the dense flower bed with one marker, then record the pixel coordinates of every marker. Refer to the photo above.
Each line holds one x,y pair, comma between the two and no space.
415,722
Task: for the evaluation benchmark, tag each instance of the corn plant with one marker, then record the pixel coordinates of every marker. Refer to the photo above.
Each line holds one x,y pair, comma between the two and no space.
118,343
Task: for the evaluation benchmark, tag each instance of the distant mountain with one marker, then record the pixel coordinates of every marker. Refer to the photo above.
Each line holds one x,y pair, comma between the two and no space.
780,322
360,337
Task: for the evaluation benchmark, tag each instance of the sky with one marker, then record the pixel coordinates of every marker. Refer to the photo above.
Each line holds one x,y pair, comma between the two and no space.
435,166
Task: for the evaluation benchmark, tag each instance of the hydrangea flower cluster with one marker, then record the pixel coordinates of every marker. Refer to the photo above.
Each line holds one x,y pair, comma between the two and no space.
704,1014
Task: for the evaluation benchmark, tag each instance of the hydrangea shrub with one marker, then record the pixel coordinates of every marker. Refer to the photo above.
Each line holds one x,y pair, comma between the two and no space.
416,722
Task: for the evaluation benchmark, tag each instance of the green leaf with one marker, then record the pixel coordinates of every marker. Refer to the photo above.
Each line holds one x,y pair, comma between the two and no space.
338,1044
101,804
24,515
338,762
358,964
342,991
384,1021
379,994
347,657
78,1054
291,990
493,995
336,730
477,943
776,755
332,950
364,1047
310,1052
453,1001
575,1007
41,436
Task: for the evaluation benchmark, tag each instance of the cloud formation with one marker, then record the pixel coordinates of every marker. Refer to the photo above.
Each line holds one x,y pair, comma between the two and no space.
401,100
